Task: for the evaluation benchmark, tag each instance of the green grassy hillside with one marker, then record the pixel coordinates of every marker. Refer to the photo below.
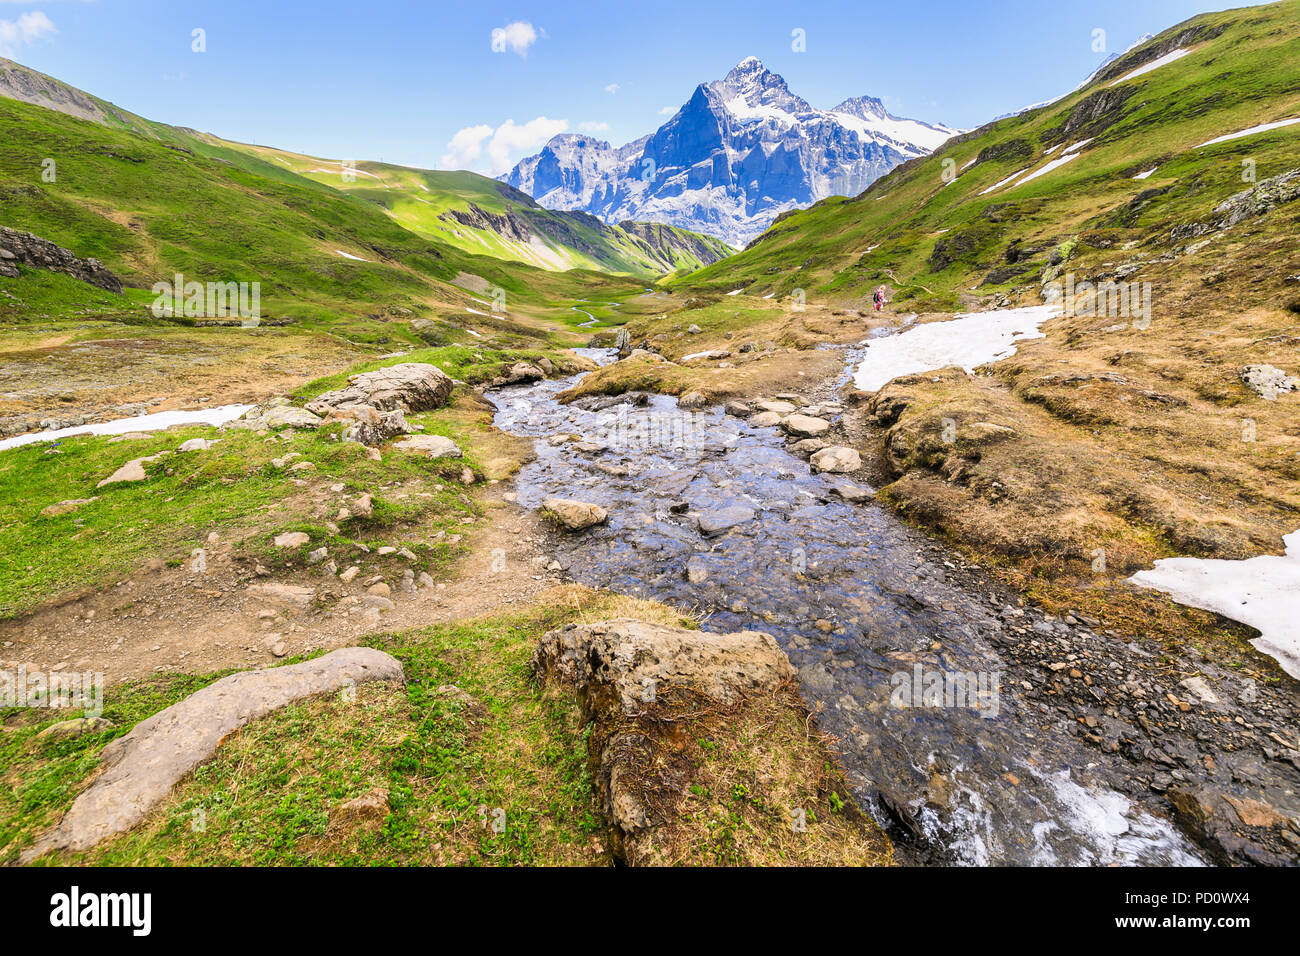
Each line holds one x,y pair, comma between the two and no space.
485,217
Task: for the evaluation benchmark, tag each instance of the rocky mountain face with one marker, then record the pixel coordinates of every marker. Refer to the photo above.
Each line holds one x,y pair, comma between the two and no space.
740,152
23,248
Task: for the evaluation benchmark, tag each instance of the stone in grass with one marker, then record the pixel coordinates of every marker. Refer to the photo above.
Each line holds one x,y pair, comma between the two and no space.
67,729
141,767
291,539
1268,381
432,446
366,812
575,515
133,470
63,507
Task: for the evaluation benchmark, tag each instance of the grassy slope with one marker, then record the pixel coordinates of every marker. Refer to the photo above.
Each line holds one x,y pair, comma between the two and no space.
420,199
149,207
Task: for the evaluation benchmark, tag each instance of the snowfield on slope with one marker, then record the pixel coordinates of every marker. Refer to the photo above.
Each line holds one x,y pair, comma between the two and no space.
1262,592
157,421
970,340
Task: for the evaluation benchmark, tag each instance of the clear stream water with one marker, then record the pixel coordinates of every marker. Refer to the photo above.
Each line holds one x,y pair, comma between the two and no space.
860,606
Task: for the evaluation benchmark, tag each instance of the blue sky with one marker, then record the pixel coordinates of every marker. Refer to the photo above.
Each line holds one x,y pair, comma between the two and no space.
402,81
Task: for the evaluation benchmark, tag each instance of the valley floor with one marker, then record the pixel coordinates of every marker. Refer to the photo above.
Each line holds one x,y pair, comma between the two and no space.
1021,499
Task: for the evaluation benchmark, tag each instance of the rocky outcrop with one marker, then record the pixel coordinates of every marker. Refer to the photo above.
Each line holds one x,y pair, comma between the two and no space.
1259,200
24,249
410,387
625,672
141,768
1268,381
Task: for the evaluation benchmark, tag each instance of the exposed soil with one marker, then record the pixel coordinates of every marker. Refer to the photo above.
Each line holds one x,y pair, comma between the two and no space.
173,619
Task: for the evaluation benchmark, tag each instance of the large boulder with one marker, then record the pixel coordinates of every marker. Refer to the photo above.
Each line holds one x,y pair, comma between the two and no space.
410,387
141,767
624,670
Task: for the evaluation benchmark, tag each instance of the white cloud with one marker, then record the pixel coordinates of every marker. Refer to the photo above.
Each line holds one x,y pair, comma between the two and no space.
515,37
593,126
465,147
26,30
612,88
667,110
502,144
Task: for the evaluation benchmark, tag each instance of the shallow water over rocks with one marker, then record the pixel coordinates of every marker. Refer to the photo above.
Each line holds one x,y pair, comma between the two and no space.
710,513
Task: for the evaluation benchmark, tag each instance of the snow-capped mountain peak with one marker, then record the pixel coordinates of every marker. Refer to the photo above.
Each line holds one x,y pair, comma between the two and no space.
740,151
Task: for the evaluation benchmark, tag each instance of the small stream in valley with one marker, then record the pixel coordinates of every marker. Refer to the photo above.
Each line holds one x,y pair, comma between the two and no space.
710,513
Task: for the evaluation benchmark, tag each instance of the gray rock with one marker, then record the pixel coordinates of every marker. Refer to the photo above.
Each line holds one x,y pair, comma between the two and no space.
805,426
411,387
432,446
133,470
723,519
837,459
142,767
1268,381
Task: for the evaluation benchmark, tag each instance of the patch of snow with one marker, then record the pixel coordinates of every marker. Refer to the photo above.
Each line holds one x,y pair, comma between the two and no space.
1044,170
1147,174
968,341
996,186
1262,592
487,315
769,295
1252,131
1154,65
736,291
157,421
348,255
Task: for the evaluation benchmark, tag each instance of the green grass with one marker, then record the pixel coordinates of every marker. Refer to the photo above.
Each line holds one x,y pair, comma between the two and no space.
266,797
424,202
232,488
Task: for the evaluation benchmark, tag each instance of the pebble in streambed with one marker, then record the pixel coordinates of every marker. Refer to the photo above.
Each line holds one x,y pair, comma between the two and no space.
710,513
